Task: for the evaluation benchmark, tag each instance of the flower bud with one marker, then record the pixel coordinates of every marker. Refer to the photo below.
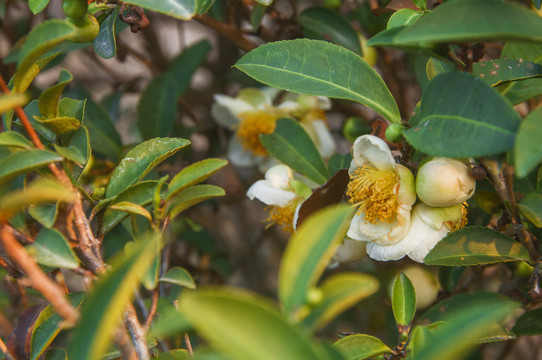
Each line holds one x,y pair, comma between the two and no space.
444,182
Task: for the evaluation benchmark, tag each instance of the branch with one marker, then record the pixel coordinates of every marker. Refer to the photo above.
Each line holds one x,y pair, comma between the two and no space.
228,30
137,332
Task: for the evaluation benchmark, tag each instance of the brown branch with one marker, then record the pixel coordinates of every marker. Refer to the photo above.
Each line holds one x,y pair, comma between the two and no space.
48,288
152,310
122,341
137,331
188,344
230,31
5,350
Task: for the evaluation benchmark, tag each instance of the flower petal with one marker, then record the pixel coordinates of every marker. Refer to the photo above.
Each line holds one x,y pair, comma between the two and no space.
223,116
279,176
319,132
435,217
382,233
238,156
264,191
369,148
406,192
350,250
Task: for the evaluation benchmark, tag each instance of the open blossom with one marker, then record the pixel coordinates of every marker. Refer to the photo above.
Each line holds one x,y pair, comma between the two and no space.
253,113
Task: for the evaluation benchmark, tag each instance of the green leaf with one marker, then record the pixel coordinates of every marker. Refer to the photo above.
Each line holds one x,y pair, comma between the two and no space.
338,162
48,326
179,276
192,196
522,50
292,145
403,17
531,207
45,214
169,322
340,292
12,138
21,81
49,99
473,121
106,303
476,245
157,107
183,66
244,325
482,20
79,149
52,249
24,161
319,68
265,2
194,174
141,160
527,149
530,323
37,6
308,253
436,67
520,91
321,23
360,346
11,101
62,126
132,208
180,354
180,9
105,44
500,71
403,301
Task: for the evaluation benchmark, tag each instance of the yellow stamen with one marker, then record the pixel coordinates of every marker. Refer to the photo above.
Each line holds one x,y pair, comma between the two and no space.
253,124
314,115
463,222
372,190
283,216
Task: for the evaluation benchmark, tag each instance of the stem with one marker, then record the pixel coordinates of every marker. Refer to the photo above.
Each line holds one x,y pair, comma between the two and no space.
5,350
188,344
152,310
228,30
137,331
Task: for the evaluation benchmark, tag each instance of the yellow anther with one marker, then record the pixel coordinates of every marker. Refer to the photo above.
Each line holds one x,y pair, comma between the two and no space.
282,216
463,222
253,124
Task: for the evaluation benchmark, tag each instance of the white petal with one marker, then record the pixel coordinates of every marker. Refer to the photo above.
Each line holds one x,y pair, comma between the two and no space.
239,156
264,191
289,106
223,116
369,148
324,103
235,106
354,229
279,176
431,239
266,162
350,250
321,136
270,92
435,217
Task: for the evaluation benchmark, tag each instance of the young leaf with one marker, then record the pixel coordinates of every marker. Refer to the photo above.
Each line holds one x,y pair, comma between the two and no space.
105,305
192,196
105,43
24,161
308,253
473,121
340,292
360,346
22,82
132,208
179,276
244,325
291,144
11,101
180,9
157,107
476,245
52,249
530,323
531,207
319,68
527,149
194,174
141,160
403,301
49,99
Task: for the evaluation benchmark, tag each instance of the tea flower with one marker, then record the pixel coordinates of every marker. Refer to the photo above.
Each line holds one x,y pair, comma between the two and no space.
281,193
350,250
444,182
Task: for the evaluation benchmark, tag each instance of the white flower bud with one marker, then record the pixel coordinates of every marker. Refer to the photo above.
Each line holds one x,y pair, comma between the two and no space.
444,182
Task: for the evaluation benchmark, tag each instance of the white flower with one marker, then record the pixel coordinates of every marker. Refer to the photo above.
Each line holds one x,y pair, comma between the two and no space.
350,250
282,194
444,182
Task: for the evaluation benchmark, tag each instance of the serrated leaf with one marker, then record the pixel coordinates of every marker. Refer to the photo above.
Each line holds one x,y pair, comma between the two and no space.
360,346
179,276
308,253
183,66
531,207
473,121
527,149
316,67
11,101
192,196
500,71
180,9
48,101
340,292
52,249
292,145
37,6
157,107
24,161
476,245
106,303
530,323
244,325
12,138
194,174
403,301
141,160
105,44
321,23
482,20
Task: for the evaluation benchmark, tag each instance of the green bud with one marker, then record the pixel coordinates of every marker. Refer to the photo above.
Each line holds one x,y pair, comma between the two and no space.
394,132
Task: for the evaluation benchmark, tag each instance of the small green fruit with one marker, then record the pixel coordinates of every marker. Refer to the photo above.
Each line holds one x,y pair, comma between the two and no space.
86,28
75,9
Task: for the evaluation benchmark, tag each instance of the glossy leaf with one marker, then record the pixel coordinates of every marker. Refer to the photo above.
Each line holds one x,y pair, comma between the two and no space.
79,149
531,207
527,149
403,301
340,292
179,276
499,71
520,91
141,160
473,121
12,138
530,323
52,249
48,326
183,66
194,174
403,17
105,43
319,68
11,101
157,107
476,245
132,208
482,20
49,99
292,145
360,346
244,325
180,9
37,6
523,50
308,253
45,214
437,66
106,303
21,81
24,161
192,196
62,126
321,23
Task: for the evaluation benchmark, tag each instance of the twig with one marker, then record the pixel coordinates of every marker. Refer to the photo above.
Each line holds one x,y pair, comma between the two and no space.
228,30
137,332
152,310
49,289
188,344
127,351
5,350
